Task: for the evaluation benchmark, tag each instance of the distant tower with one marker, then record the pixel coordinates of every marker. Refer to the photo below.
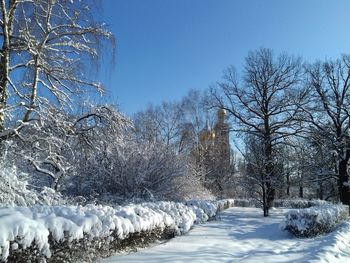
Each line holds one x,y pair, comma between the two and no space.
214,153
206,137
222,141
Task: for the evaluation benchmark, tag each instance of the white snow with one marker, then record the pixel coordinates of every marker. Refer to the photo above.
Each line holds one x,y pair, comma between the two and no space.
243,235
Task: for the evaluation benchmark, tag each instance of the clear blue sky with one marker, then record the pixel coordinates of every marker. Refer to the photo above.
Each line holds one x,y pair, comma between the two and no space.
166,47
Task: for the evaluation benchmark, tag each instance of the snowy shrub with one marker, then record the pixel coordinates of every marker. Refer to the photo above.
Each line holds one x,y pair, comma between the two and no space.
183,217
291,203
315,220
246,203
132,169
318,202
206,210
201,216
225,203
49,196
210,208
14,190
190,187
298,203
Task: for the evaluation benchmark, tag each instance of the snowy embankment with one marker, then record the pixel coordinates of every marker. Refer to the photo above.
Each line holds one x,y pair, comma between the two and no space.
76,233
243,235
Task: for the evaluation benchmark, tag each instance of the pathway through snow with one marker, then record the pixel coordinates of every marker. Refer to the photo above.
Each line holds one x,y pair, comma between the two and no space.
243,235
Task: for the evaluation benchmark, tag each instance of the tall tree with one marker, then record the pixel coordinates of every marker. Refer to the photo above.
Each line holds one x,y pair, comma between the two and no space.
328,112
265,105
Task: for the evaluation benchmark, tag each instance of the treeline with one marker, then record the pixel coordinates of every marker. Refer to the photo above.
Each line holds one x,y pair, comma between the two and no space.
291,120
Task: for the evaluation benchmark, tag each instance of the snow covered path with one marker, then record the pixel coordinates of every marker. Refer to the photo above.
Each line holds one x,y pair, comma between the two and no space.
243,235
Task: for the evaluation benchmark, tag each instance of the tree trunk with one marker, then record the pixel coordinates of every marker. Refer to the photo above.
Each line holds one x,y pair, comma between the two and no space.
3,82
7,28
265,202
270,190
301,191
266,211
343,188
320,191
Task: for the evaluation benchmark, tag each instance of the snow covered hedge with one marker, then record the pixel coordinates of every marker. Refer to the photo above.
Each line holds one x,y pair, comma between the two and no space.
315,220
206,210
82,233
298,203
250,202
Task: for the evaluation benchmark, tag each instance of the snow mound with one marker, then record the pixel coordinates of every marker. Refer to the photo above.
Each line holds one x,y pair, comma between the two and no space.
336,248
315,220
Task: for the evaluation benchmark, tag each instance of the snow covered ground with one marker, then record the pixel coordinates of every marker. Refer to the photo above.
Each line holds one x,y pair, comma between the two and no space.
243,235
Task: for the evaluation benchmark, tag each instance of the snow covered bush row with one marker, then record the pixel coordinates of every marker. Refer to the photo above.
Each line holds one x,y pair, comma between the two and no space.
225,203
288,203
246,203
203,209
206,210
315,220
55,233
298,203
180,216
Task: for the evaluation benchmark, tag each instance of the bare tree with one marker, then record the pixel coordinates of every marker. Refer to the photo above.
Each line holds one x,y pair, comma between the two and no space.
61,145
44,49
255,180
43,149
175,123
181,125
161,123
328,112
265,105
